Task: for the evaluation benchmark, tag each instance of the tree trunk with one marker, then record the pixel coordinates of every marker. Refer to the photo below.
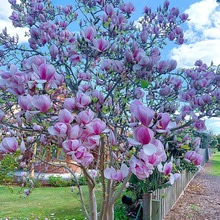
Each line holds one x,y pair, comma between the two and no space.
92,204
32,161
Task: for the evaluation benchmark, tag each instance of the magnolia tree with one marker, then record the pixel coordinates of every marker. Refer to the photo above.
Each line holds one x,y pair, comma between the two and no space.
102,94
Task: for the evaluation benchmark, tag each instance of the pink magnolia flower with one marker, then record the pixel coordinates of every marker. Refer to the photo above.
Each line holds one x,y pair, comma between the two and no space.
9,145
112,138
70,104
166,168
59,129
87,159
82,100
25,102
195,158
41,102
75,132
111,173
142,113
89,33
96,126
92,141
140,169
65,116
100,44
70,146
85,117
54,51
45,71
143,135
163,123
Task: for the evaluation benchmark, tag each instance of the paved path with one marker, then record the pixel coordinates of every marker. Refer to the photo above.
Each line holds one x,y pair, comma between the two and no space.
200,201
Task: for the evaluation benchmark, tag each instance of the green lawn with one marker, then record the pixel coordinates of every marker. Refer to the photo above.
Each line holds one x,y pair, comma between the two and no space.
53,203
215,164
47,202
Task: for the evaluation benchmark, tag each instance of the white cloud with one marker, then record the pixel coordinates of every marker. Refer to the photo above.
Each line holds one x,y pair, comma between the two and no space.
6,22
213,124
202,34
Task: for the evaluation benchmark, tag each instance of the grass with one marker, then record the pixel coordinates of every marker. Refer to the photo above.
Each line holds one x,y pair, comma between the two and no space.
52,203
215,165
47,202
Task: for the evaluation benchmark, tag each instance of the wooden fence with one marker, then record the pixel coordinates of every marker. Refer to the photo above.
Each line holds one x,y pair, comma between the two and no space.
164,199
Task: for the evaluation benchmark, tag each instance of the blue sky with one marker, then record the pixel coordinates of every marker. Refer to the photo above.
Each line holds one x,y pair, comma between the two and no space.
202,33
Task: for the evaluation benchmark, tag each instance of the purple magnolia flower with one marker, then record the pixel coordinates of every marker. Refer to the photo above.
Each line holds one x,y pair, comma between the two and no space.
127,7
109,10
89,33
200,125
100,44
8,145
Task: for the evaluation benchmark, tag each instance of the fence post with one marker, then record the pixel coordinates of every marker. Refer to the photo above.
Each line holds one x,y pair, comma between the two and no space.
147,206
156,212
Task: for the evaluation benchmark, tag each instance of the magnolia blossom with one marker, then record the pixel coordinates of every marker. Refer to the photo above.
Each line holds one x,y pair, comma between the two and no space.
166,168
65,116
45,71
96,126
140,168
59,129
82,100
200,125
42,102
100,44
54,51
142,113
85,117
8,145
111,173
25,102
70,104
195,158
89,33
163,122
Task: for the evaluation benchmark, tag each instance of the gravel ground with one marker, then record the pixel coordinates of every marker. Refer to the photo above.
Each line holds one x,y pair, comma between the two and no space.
201,199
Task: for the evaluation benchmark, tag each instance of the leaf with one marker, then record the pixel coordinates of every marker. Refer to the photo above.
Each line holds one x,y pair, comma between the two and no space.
179,139
185,147
144,84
